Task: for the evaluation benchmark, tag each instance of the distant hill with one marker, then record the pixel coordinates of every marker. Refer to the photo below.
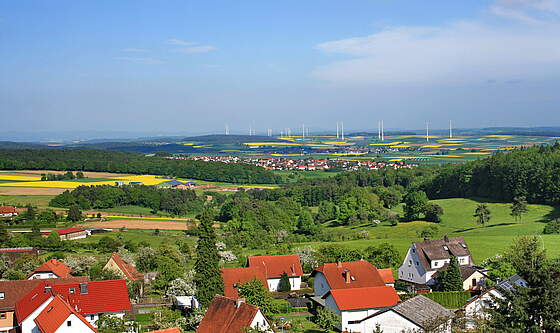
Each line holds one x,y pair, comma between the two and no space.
21,145
229,139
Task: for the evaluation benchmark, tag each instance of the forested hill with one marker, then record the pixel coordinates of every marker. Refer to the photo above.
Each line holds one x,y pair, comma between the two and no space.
531,172
129,162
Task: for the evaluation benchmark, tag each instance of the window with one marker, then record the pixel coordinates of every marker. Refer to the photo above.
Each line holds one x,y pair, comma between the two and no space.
473,282
417,263
2,295
445,248
92,317
72,290
2,315
69,323
413,250
435,263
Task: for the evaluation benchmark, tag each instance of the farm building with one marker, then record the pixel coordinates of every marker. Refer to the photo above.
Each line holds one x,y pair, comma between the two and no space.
8,211
16,252
70,233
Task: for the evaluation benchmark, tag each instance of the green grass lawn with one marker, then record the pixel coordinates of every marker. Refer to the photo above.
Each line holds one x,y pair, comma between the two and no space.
164,237
457,221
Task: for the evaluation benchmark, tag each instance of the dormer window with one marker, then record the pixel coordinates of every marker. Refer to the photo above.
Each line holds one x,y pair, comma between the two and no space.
446,248
2,295
464,245
72,291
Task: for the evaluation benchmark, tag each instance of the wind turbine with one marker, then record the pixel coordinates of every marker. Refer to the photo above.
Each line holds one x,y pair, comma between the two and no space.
342,129
337,130
427,132
450,130
382,131
227,129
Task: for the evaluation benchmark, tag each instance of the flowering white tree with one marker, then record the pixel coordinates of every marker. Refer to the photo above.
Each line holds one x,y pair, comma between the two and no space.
308,257
80,263
227,256
183,286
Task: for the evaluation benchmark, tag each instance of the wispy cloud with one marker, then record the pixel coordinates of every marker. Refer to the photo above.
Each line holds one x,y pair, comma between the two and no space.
462,51
180,42
134,50
141,60
198,49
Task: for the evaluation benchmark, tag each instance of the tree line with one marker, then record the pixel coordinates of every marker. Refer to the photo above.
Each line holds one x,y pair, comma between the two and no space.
134,163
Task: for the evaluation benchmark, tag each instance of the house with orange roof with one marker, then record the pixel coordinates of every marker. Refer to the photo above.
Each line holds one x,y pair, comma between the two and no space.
228,315
8,211
52,269
275,266
354,304
347,275
387,276
174,329
58,317
118,265
234,277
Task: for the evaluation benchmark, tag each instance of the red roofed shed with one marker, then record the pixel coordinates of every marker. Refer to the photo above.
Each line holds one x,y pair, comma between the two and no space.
234,277
363,298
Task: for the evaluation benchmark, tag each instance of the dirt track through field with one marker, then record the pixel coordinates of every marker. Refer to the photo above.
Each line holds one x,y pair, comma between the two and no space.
138,224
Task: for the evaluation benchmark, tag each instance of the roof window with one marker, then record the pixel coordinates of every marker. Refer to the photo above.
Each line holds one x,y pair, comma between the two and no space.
446,248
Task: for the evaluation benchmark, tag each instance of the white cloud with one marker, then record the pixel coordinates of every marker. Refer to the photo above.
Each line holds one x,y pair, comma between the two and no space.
141,60
180,42
134,50
198,49
476,50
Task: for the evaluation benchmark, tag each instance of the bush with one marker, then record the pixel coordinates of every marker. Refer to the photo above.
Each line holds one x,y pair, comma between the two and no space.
552,227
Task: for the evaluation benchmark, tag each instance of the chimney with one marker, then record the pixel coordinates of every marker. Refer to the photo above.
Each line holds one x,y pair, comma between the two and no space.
339,264
446,238
238,302
346,275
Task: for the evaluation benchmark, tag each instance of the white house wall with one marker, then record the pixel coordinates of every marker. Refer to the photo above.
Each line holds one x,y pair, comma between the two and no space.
260,322
28,325
411,270
390,322
76,326
36,276
295,283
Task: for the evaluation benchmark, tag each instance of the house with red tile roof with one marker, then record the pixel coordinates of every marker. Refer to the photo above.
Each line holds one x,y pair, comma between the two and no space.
346,275
70,233
52,269
353,304
89,299
13,291
234,277
128,271
228,315
8,211
58,316
274,266
16,252
387,276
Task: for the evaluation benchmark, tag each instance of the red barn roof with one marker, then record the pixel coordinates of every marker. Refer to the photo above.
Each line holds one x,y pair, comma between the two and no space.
275,266
226,315
8,210
128,270
167,330
364,298
362,274
55,314
99,296
234,277
56,267
387,275
68,231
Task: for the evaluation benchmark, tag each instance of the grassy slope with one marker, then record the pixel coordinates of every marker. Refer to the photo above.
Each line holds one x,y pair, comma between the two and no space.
41,201
458,221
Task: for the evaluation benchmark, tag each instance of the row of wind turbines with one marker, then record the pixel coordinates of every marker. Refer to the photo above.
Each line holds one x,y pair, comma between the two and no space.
287,132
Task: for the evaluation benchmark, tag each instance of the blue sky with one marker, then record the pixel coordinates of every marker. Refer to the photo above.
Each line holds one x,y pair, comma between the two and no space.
192,66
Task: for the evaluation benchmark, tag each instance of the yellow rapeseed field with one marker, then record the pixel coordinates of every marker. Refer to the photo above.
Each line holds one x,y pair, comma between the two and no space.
144,179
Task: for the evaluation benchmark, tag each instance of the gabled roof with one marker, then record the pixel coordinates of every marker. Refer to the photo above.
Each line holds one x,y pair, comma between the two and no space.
422,311
438,249
17,250
68,231
234,277
167,330
32,300
15,290
129,271
387,275
101,296
8,210
56,267
226,315
364,298
362,274
275,266
55,314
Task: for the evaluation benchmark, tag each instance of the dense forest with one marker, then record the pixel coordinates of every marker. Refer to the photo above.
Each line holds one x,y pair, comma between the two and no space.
533,173
129,162
173,201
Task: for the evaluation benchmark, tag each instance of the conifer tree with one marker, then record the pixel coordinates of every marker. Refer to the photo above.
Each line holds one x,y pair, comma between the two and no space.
284,284
450,278
208,277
